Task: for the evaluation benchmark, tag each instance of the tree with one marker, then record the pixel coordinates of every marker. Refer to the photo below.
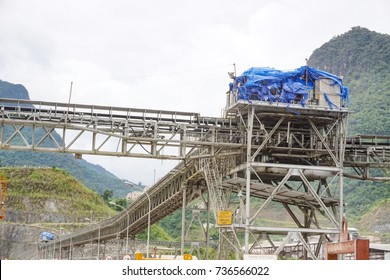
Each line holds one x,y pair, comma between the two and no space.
122,202
107,196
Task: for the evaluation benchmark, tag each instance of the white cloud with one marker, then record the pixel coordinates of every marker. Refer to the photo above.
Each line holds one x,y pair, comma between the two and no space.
172,55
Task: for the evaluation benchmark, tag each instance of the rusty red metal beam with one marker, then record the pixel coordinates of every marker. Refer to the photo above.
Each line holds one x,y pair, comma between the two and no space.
358,247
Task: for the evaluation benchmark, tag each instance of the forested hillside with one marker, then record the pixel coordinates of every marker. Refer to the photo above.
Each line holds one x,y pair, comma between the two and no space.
93,176
32,190
44,199
362,58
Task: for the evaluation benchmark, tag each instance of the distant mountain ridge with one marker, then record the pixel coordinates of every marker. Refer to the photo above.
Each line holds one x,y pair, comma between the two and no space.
93,176
15,91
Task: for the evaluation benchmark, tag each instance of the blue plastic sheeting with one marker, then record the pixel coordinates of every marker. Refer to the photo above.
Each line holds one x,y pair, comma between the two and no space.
269,84
46,236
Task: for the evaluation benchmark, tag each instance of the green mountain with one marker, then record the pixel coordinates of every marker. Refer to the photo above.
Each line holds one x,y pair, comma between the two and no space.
93,176
362,58
8,90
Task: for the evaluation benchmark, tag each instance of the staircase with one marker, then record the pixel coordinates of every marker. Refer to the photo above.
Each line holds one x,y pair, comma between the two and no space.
214,184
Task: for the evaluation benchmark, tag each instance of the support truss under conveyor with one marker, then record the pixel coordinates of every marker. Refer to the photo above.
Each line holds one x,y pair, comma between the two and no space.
259,158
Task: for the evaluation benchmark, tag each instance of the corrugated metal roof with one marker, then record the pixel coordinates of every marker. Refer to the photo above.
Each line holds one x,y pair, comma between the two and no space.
381,247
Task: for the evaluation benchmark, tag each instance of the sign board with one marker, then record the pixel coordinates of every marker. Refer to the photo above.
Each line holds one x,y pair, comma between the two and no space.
224,218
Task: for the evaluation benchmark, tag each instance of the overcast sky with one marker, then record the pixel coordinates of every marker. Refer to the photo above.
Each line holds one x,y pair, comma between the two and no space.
170,54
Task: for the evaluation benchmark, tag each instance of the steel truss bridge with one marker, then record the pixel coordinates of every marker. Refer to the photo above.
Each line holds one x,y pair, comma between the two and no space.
260,157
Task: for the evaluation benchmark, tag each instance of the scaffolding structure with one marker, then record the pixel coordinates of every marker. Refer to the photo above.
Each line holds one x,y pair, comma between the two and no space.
293,162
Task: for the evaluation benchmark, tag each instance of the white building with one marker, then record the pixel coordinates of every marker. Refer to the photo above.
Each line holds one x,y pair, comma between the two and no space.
133,196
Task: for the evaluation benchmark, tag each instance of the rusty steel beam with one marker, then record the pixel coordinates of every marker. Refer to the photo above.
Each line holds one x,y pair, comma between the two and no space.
358,247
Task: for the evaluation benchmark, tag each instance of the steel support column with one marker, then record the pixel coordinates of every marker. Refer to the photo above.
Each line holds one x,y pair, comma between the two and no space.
248,176
183,219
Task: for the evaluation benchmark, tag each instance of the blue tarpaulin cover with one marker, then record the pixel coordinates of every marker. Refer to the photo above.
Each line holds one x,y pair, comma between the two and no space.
272,85
46,236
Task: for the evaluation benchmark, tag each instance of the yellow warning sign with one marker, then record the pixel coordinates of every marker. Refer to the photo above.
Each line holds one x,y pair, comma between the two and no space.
224,218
